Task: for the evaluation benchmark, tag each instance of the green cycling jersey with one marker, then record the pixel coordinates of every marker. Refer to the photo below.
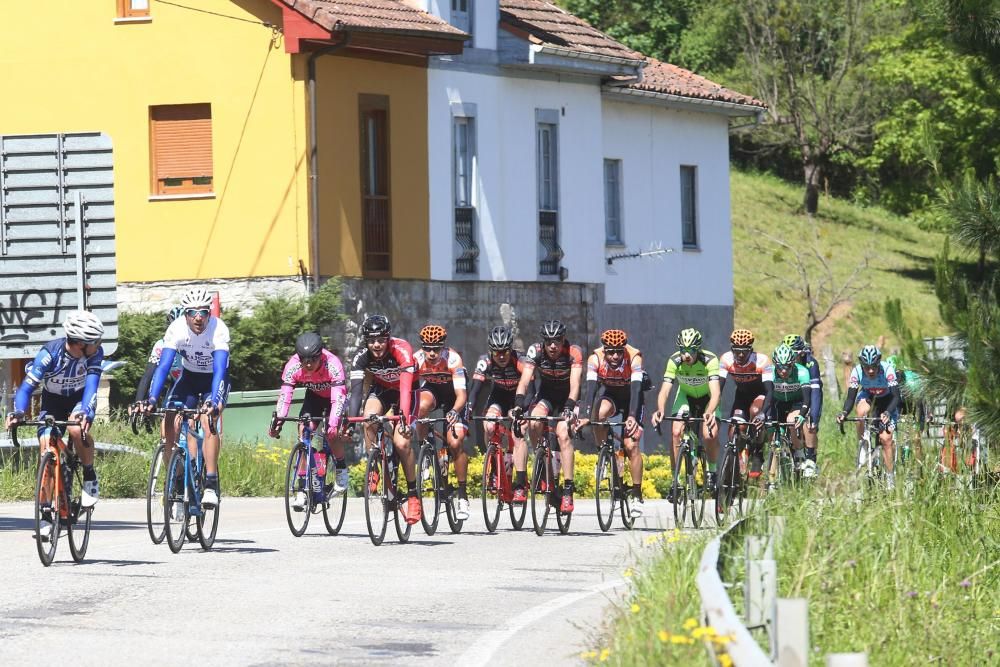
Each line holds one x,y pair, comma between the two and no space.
793,387
692,379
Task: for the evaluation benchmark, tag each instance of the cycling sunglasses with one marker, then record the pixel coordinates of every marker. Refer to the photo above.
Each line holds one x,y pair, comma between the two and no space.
310,360
195,312
741,350
688,350
871,367
557,339
432,348
614,350
377,339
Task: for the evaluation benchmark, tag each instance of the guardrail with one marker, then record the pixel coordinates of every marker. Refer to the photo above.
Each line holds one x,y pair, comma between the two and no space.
784,621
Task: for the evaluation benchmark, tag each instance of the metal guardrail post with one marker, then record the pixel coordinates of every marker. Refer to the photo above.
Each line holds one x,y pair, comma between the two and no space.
759,596
792,632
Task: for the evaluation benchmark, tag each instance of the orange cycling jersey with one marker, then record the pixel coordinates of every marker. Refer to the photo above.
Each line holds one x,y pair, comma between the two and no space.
750,375
447,369
628,371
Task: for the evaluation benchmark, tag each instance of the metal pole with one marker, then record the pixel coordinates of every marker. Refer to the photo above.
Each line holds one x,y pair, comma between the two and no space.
792,630
81,278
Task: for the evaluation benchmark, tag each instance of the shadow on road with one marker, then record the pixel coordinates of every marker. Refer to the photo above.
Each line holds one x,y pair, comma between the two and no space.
119,563
28,523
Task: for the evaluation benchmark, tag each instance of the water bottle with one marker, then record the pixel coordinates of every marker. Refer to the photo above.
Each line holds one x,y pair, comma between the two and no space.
443,464
556,464
619,462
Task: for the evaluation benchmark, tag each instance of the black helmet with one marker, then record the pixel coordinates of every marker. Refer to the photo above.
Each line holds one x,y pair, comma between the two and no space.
308,345
375,326
553,329
501,338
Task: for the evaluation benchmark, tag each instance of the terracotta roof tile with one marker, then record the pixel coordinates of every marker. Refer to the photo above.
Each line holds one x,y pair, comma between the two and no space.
550,24
373,15
661,77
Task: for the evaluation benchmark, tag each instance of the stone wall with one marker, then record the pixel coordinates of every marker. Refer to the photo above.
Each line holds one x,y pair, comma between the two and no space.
242,294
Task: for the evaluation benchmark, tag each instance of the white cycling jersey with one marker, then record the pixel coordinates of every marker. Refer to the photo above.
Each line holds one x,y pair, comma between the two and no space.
194,349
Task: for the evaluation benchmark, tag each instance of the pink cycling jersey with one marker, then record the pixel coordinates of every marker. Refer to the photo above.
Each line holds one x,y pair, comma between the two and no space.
326,381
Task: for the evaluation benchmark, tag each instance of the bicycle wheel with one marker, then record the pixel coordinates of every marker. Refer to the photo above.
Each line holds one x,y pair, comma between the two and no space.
334,511
47,540
376,498
541,483
175,507
78,525
429,488
727,486
402,528
208,521
517,513
604,488
698,492
492,464
298,519
451,512
154,498
678,487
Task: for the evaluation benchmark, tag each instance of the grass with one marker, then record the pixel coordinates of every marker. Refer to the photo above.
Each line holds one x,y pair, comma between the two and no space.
901,265
911,577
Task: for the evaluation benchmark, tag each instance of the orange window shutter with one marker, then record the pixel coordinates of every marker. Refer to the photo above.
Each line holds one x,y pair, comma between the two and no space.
182,144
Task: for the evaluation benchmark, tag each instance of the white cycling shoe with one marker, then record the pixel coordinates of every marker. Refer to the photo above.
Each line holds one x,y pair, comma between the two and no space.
636,508
90,494
299,503
809,469
462,509
341,481
210,499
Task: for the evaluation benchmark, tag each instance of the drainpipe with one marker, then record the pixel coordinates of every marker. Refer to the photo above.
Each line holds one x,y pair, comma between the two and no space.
314,155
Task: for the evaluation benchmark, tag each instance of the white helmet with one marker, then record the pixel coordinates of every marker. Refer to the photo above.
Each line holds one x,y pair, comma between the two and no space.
196,297
83,326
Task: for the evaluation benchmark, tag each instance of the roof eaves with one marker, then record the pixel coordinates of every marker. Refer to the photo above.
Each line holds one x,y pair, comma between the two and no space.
720,106
586,55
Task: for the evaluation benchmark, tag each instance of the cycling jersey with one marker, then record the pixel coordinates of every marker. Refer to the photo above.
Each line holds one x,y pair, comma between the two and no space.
554,373
446,372
327,382
797,387
623,381
750,376
393,371
205,355
60,374
816,400
142,389
504,378
881,384
692,379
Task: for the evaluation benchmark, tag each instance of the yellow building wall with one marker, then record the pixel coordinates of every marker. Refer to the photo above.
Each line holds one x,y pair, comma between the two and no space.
340,82
68,66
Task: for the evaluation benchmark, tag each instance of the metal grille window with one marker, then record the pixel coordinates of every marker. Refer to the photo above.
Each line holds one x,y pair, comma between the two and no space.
548,196
133,8
181,147
463,142
689,207
376,221
613,202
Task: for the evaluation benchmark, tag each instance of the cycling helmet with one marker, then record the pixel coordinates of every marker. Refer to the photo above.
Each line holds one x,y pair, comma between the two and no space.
375,326
196,298
614,338
553,329
689,338
173,314
795,342
741,338
308,345
784,355
501,338
83,326
869,355
433,334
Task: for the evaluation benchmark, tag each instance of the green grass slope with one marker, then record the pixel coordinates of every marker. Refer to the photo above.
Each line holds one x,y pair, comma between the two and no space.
901,265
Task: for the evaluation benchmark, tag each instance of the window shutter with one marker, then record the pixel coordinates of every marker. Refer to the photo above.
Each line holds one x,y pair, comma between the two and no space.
182,142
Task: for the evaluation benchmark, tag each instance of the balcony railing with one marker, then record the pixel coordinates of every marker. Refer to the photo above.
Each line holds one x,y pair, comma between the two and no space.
465,234
375,234
548,237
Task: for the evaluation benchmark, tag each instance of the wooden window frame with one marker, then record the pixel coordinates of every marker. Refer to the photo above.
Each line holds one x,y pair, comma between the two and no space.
187,184
125,10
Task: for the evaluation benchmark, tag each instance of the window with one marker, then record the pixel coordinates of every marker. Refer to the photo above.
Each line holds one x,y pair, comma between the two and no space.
181,148
376,223
547,166
613,202
129,9
548,195
461,15
689,206
463,157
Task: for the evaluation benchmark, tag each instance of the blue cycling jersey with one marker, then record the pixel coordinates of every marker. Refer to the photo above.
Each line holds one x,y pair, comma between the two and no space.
879,385
60,373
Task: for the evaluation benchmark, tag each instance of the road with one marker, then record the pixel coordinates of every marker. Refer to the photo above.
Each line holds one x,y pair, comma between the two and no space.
264,597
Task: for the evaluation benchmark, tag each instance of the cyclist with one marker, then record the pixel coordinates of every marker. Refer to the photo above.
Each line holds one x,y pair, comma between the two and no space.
503,366
753,373
793,391
322,374
616,367
168,427
442,385
388,363
696,372
560,367
811,428
202,342
68,370
910,403
873,385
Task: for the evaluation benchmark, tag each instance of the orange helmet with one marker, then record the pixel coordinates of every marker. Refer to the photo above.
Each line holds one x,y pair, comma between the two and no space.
741,338
614,338
433,334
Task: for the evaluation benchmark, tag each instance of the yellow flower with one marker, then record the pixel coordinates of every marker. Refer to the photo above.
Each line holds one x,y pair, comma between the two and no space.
635,608
627,573
604,654
680,639
663,635
704,631
724,660
588,655
690,624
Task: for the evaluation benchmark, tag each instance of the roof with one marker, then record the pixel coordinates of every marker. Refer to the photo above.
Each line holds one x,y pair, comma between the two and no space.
548,24
374,16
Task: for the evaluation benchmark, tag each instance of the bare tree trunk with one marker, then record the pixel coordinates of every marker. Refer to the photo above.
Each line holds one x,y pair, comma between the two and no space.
812,173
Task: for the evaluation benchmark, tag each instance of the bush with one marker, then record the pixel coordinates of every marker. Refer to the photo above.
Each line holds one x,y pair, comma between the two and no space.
136,334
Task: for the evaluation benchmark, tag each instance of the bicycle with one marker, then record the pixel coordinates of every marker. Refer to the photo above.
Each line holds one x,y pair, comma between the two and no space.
689,462
610,490
432,475
546,484
154,489
500,487
869,448
961,450
382,495
306,473
184,485
732,477
781,461
58,487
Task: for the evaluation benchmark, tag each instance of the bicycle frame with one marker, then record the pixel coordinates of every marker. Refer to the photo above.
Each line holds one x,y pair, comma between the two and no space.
870,444
780,450
501,434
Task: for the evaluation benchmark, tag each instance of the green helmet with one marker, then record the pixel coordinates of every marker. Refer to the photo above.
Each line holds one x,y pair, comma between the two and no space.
784,355
689,338
794,341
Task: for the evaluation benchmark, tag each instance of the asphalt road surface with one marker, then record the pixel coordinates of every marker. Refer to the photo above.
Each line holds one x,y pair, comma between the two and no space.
264,597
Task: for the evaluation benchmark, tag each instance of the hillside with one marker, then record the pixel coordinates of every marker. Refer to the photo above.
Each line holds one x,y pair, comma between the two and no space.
901,265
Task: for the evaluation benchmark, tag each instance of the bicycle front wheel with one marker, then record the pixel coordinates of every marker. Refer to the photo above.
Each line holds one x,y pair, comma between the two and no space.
727,489
429,488
376,497
492,465
78,525
452,512
402,527
604,489
47,509
678,489
334,511
698,492
154,498
295,483
208,521
175,507
541,484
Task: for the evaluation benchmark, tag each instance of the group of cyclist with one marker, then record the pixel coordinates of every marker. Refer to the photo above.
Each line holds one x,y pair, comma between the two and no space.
553,378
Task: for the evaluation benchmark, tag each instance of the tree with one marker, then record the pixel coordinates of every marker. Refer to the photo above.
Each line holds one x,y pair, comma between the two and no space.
652,27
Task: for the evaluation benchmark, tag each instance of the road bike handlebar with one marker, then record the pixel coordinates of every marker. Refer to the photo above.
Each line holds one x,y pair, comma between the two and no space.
48,421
